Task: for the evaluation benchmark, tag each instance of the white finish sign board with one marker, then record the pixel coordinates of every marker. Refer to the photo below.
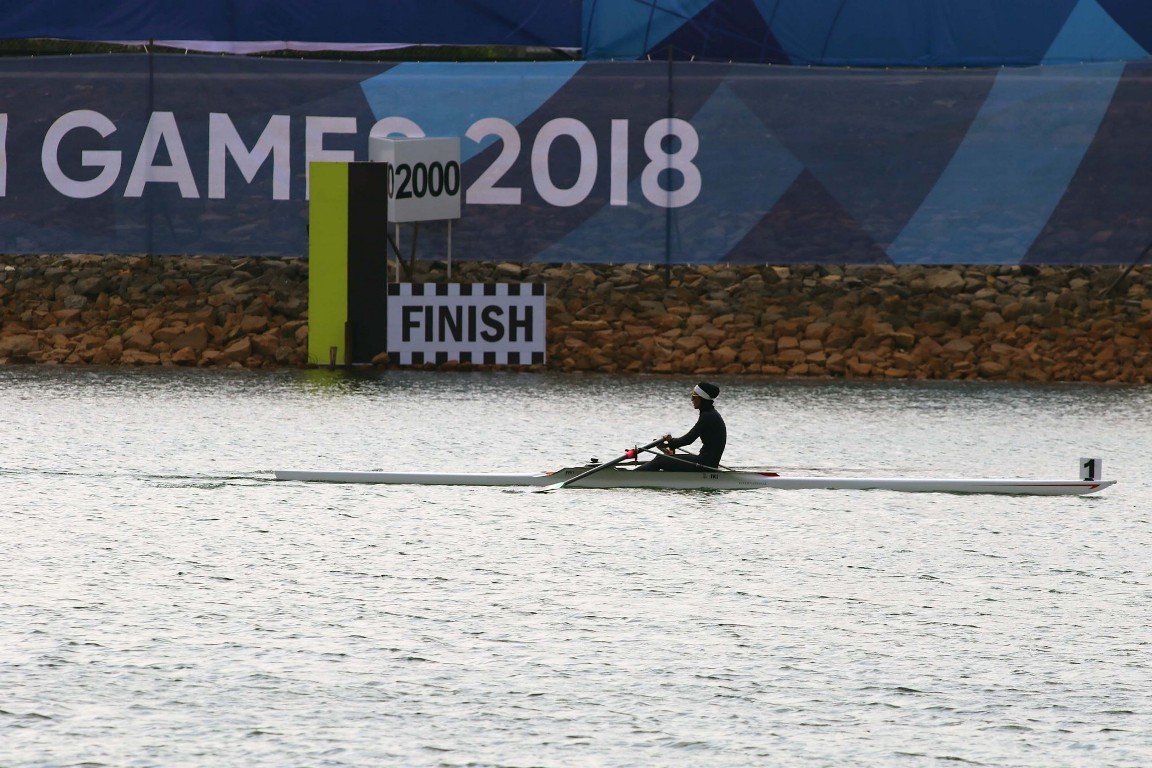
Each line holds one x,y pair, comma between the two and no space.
482,323
425,183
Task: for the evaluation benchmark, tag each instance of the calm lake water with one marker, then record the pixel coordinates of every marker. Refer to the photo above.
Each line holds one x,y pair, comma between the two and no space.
164,602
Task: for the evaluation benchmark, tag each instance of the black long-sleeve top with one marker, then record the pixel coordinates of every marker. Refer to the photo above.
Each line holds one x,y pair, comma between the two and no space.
710,431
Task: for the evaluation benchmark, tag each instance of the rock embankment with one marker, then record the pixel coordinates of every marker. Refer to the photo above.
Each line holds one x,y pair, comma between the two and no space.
1014,323
107,310
1018,323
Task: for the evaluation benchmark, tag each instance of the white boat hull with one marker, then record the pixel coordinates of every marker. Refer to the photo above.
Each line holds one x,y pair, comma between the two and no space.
718,480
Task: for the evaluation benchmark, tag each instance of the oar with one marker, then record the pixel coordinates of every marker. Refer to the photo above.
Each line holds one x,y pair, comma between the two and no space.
607,465
701,467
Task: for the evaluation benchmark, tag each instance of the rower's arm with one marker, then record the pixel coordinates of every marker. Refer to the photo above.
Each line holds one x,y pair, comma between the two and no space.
688,438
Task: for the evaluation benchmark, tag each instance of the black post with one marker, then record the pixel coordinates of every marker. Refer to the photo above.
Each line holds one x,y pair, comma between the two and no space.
367,262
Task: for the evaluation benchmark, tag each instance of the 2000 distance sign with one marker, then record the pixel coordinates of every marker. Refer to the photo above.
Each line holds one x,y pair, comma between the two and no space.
424,183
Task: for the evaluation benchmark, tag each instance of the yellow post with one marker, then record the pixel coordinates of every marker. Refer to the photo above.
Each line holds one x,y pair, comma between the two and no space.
327,262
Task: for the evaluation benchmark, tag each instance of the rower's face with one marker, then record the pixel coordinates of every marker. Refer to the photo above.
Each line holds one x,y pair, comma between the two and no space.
696,401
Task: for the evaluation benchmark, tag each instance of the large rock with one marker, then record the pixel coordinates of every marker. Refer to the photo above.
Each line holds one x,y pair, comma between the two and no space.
194,338
184,356
18,347
253,324
138,357
238,351
944,280
138,341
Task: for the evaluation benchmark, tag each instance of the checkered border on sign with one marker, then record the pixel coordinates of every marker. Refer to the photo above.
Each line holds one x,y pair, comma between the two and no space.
407,290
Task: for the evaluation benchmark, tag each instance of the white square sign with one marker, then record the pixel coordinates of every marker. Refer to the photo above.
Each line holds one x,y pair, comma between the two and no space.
425,183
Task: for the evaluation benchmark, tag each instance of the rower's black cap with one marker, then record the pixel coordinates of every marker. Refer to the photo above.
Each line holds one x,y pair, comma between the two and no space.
711,391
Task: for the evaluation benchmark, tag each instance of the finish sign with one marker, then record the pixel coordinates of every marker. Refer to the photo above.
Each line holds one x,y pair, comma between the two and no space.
482,323
425,182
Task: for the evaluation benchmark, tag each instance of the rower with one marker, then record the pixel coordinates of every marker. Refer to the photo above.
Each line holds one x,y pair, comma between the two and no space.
709,430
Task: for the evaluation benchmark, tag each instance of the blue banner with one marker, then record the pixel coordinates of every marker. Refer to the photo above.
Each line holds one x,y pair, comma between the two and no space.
550,23
589,162
933,33
879,33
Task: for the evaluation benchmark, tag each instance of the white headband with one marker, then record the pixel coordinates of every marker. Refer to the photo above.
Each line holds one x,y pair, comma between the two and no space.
697,391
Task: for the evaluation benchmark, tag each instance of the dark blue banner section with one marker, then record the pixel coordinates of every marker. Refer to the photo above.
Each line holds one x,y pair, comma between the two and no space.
589,162
551,23
931,33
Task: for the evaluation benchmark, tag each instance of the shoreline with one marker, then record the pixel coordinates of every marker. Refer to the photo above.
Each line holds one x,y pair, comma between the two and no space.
1019,323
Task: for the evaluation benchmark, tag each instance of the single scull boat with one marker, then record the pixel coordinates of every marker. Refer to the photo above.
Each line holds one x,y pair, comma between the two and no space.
617,477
